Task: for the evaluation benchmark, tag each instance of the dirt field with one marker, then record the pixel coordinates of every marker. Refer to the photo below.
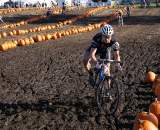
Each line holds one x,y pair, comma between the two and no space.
44,86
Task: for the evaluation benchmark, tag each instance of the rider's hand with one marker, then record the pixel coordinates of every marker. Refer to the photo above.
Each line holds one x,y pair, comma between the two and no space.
98,66
119,67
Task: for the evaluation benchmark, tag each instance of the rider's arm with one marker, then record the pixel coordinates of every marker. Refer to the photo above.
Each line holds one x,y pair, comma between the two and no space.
93,54
117,56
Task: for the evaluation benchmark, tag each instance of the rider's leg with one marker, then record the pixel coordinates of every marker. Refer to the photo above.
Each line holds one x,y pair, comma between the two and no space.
122,21
109,83
109,74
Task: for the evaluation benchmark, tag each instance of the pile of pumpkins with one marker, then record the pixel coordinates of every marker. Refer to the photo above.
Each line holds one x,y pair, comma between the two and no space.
150,120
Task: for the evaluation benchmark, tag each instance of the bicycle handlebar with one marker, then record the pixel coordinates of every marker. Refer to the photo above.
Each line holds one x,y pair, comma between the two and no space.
108,61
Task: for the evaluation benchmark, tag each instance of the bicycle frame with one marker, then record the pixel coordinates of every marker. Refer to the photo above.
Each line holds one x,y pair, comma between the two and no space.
104,62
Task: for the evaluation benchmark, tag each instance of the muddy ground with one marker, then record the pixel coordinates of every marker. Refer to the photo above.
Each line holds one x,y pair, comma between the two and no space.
44,86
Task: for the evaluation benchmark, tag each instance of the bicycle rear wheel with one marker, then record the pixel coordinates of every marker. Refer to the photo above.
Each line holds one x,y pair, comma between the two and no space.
104,103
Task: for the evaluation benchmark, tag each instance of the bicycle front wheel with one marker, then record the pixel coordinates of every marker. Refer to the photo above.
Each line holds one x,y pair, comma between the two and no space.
107,98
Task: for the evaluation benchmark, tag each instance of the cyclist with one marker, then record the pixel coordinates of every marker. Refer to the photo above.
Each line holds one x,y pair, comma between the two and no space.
128,9
63,7
120,17
102,44
49,12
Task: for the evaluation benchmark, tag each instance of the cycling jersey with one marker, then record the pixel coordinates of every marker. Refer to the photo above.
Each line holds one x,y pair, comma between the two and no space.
103,49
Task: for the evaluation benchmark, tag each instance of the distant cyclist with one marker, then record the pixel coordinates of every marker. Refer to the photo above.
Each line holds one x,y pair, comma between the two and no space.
120,17
49,12
128,9
63,7
102,44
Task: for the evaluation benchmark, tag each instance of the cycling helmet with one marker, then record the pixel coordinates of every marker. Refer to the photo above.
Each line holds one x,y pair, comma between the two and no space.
107,30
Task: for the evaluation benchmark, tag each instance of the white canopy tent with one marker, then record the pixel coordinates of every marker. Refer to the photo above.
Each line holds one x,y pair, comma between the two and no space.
60,2
48,2
2,2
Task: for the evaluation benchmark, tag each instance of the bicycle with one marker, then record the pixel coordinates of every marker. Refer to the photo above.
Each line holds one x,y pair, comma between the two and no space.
103,89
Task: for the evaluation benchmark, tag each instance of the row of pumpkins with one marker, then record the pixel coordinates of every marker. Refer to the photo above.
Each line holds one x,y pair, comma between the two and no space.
33,19
12,10
24,22
52,36
47,27
150,120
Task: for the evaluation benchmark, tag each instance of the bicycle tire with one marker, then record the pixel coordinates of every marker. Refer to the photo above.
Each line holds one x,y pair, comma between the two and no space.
96,74
109,107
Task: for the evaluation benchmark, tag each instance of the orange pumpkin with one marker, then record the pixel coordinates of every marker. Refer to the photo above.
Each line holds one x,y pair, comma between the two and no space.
31,40
69,21
155,108
53,27
34,30
22,22
156,84
63,33
49,27
48,37
10,44
21,42
57,25
67,33
18,32
38,38
157,92
75,31
147,116
15,42
54,36
3,47
157,79
156,88
14,32
26,31
144,125
70,32
43,38
11,33
4,34
150,77
27,41
59,35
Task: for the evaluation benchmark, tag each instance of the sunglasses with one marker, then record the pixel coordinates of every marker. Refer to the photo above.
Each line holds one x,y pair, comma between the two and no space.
106,36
